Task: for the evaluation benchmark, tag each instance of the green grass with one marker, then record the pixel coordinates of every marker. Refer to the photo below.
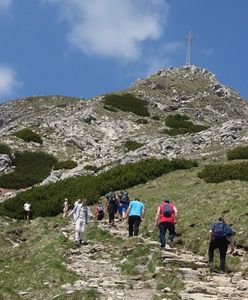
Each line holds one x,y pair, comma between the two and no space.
127,102
65,164
132,145
5,149
28,135
238,153
39,258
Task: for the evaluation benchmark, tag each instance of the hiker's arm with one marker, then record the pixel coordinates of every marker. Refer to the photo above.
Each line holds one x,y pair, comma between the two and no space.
142,213
232,243
128,210
157,217
175,211
210,235
72,211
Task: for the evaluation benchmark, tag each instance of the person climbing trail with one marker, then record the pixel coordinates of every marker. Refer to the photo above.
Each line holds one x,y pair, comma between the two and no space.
123,198
82,217
65,207
221,236
165,220
112,205
135,214
100,211
27,210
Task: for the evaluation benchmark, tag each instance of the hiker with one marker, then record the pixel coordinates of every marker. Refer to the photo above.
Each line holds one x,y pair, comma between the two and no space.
112,205
65,207
83,215
27,210
135,214
100,211
123,204
75,204
220,236
165,219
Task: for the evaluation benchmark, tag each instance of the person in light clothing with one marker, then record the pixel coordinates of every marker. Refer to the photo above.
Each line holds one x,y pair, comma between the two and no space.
27,210
82,217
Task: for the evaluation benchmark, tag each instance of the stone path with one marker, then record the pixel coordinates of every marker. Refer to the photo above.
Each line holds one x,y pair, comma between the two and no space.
103,274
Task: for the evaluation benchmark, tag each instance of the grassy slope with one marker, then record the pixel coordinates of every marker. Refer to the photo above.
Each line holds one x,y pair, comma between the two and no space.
198,204
43,253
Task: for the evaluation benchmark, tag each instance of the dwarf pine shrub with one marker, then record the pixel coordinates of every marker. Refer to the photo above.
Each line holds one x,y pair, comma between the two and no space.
181,124
47,200
28,135
223,172
132,145
238,153
5,149
30,168
65,164
128,102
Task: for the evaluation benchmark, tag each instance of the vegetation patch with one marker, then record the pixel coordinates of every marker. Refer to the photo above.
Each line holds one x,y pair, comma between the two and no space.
128,102
38,264
92,168
141,121
30,168
5,149
238,153
47,200
65,164
132,145
221,172
28,135
181,124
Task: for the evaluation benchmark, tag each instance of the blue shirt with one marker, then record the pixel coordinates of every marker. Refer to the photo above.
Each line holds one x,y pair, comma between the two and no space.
136,208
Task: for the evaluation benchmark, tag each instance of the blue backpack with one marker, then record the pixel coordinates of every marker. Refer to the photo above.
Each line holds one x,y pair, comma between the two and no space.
220,230
167,210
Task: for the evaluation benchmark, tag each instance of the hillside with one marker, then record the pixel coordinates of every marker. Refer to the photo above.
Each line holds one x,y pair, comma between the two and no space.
94,132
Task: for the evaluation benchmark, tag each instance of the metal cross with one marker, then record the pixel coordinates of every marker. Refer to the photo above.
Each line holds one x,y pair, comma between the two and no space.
189,40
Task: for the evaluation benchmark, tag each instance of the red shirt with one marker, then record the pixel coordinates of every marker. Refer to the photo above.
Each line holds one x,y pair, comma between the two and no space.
162,218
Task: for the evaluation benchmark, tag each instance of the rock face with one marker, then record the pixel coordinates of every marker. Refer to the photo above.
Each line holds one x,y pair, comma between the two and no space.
5,162
86,132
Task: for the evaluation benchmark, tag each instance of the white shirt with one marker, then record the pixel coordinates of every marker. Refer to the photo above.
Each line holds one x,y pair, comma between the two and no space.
27,206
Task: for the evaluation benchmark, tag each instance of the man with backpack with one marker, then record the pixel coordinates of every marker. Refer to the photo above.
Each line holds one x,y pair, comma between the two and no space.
123,204
165,220
112,205
220,236
135,214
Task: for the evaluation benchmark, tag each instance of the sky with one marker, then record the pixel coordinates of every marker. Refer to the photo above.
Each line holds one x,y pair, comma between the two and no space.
86,48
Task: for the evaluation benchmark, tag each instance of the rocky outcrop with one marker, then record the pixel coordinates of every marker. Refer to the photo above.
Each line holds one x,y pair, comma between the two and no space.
5,162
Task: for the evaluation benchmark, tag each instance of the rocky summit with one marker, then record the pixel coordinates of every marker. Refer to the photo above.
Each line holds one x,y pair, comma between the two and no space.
90,132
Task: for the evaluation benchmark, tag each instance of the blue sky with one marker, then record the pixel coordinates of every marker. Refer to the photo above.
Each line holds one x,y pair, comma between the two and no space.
86,48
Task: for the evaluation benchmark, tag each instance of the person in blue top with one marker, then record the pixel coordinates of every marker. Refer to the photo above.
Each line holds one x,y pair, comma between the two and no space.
220,236
135,214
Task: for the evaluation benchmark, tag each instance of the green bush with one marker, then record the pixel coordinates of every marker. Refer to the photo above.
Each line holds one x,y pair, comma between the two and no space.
65,164
5,149
180,124
92,168
30,168
238,153
141,121
132,145
128,102
47,200
110,108
156,118
28,135
222,172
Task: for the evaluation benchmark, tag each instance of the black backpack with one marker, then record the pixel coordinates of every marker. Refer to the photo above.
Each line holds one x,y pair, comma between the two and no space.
167,210
111,197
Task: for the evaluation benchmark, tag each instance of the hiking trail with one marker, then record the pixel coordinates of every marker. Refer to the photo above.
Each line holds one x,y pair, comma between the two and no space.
97,269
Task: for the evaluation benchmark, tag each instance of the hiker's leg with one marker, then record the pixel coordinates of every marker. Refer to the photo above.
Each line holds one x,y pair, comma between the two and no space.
77,230
83,227
211,249
162,230
137,220
171,228
223,250
130,225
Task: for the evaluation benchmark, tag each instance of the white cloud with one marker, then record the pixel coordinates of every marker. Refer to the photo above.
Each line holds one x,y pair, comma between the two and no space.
5,4
8,81
112,28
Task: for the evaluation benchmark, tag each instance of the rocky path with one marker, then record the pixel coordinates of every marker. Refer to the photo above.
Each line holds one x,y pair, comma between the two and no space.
98,270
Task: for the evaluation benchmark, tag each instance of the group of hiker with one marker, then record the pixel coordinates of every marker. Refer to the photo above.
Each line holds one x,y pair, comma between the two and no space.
220,234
